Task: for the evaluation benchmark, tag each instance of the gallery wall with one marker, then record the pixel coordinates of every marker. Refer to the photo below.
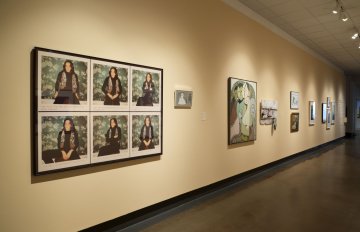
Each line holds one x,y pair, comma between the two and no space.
199,45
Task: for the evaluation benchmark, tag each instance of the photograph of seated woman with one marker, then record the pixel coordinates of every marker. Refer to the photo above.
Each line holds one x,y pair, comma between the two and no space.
113,137
67,85
112,88
148,89
68,142
146,135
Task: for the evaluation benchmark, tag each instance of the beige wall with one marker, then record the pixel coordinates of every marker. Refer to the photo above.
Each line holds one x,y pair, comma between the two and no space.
199,44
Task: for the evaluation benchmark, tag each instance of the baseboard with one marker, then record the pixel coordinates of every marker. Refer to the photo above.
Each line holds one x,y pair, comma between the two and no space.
153,210
350,135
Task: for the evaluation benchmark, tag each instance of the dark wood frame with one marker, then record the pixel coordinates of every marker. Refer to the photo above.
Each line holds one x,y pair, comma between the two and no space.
35,110
291,116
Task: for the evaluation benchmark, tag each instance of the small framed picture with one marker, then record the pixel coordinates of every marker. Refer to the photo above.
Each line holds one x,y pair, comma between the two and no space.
323,114
294,122
294,100
183,98
328,118
312,113
328,102
333,110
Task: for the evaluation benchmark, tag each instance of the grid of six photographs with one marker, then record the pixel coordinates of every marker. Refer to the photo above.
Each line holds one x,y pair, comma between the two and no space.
91,110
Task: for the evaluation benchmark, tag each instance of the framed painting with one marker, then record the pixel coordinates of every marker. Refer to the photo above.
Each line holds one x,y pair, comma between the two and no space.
328,118
323,114
333,111
294,122
312,113
241,110
90,111
183,99
268,112
328,102
294,100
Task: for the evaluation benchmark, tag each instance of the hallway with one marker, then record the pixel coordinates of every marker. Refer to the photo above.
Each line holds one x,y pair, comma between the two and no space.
318,192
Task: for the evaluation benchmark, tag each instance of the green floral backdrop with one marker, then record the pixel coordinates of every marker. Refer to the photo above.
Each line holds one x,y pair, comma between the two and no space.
52,125
138,122
100,72
50,68
138,78
100,126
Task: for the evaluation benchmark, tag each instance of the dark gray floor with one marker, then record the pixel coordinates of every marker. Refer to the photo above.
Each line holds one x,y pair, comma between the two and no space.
318,193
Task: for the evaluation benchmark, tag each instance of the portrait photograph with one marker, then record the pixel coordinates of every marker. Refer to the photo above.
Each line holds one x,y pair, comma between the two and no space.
294,122
110,86
146,89
62,140
324,110
241,111
312,113
110,136
294,100
145,133
62,82
183,98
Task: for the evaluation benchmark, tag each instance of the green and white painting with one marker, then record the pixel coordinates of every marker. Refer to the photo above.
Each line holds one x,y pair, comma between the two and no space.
241,111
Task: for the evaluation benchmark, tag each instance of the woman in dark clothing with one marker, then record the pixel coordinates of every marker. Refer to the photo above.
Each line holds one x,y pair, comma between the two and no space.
148,89
146,135
67,85
112,88
68,142
113,137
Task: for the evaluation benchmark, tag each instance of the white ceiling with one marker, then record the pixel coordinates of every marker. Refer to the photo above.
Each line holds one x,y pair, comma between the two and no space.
312,23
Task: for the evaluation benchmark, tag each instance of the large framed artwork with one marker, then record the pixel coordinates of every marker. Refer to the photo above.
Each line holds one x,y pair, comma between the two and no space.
312,113
90,111
241,110
294,100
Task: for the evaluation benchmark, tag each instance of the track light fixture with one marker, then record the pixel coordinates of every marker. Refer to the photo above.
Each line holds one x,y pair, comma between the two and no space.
337,7
356,35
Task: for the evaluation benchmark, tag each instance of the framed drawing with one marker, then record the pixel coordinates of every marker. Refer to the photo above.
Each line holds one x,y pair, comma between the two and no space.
183,98
294,100
294,122
323,114
90,111
241,110
328,118
333,110
328,102
312,113
268,112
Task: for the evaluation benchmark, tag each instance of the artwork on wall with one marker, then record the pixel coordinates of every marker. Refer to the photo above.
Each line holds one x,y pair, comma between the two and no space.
294,122
268,112
312,113
241,110
294,100
324,109
183,99
333,110
328,118
91,110
328,102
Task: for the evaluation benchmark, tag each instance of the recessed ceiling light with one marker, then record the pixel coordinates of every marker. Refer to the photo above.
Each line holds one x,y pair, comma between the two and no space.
355,35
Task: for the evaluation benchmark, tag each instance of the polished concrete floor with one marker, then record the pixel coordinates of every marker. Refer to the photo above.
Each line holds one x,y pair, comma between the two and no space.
319,192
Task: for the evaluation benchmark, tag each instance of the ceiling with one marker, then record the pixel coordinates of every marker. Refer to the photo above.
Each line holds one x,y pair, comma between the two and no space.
313,23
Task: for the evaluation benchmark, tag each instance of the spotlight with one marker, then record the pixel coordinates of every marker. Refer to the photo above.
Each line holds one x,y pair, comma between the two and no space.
355,35
344,18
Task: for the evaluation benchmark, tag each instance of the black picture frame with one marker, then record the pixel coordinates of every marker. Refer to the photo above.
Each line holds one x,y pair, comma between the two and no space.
323,112
64,117
244,130
294,122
